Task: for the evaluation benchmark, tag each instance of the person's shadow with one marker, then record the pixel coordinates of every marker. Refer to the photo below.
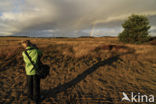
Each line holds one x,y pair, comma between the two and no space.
54,91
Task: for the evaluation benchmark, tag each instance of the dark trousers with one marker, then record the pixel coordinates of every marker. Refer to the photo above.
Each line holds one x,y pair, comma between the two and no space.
33,84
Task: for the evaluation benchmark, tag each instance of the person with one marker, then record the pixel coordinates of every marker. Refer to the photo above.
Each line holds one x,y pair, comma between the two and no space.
33,80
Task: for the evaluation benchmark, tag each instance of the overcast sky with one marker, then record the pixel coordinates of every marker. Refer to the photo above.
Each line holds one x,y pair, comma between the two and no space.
71,18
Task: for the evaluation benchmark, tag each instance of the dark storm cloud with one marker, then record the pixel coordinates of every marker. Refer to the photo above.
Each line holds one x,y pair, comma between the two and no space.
69,16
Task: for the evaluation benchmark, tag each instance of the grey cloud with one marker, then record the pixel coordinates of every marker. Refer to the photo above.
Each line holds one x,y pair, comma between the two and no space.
152,20
66,16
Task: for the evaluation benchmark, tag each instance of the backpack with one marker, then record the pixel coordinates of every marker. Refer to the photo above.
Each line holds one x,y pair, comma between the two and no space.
43,70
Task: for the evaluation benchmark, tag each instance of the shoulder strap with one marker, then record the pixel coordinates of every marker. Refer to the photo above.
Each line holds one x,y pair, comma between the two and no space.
30,59
30,48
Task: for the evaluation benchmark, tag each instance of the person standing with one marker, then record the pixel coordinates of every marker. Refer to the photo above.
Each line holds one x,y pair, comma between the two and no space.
33,81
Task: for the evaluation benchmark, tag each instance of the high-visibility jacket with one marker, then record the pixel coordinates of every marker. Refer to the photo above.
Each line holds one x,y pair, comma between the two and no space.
35,55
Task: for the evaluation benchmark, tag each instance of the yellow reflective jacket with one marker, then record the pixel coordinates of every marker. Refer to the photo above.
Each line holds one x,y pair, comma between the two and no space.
34,54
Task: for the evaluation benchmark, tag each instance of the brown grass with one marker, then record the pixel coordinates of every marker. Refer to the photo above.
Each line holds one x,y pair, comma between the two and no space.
83,70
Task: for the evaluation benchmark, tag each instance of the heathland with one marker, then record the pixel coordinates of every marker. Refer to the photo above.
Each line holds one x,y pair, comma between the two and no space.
83,70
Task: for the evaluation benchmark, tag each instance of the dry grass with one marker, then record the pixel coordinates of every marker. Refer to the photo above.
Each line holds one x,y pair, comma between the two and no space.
83,70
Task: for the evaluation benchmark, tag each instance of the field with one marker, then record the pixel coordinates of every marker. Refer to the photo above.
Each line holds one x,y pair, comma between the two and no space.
83,70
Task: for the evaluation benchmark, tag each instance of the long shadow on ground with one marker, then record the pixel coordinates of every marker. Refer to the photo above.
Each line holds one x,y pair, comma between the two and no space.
53,92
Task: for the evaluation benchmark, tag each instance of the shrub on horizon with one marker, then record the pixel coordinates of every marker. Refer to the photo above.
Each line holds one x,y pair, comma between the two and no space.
135,30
